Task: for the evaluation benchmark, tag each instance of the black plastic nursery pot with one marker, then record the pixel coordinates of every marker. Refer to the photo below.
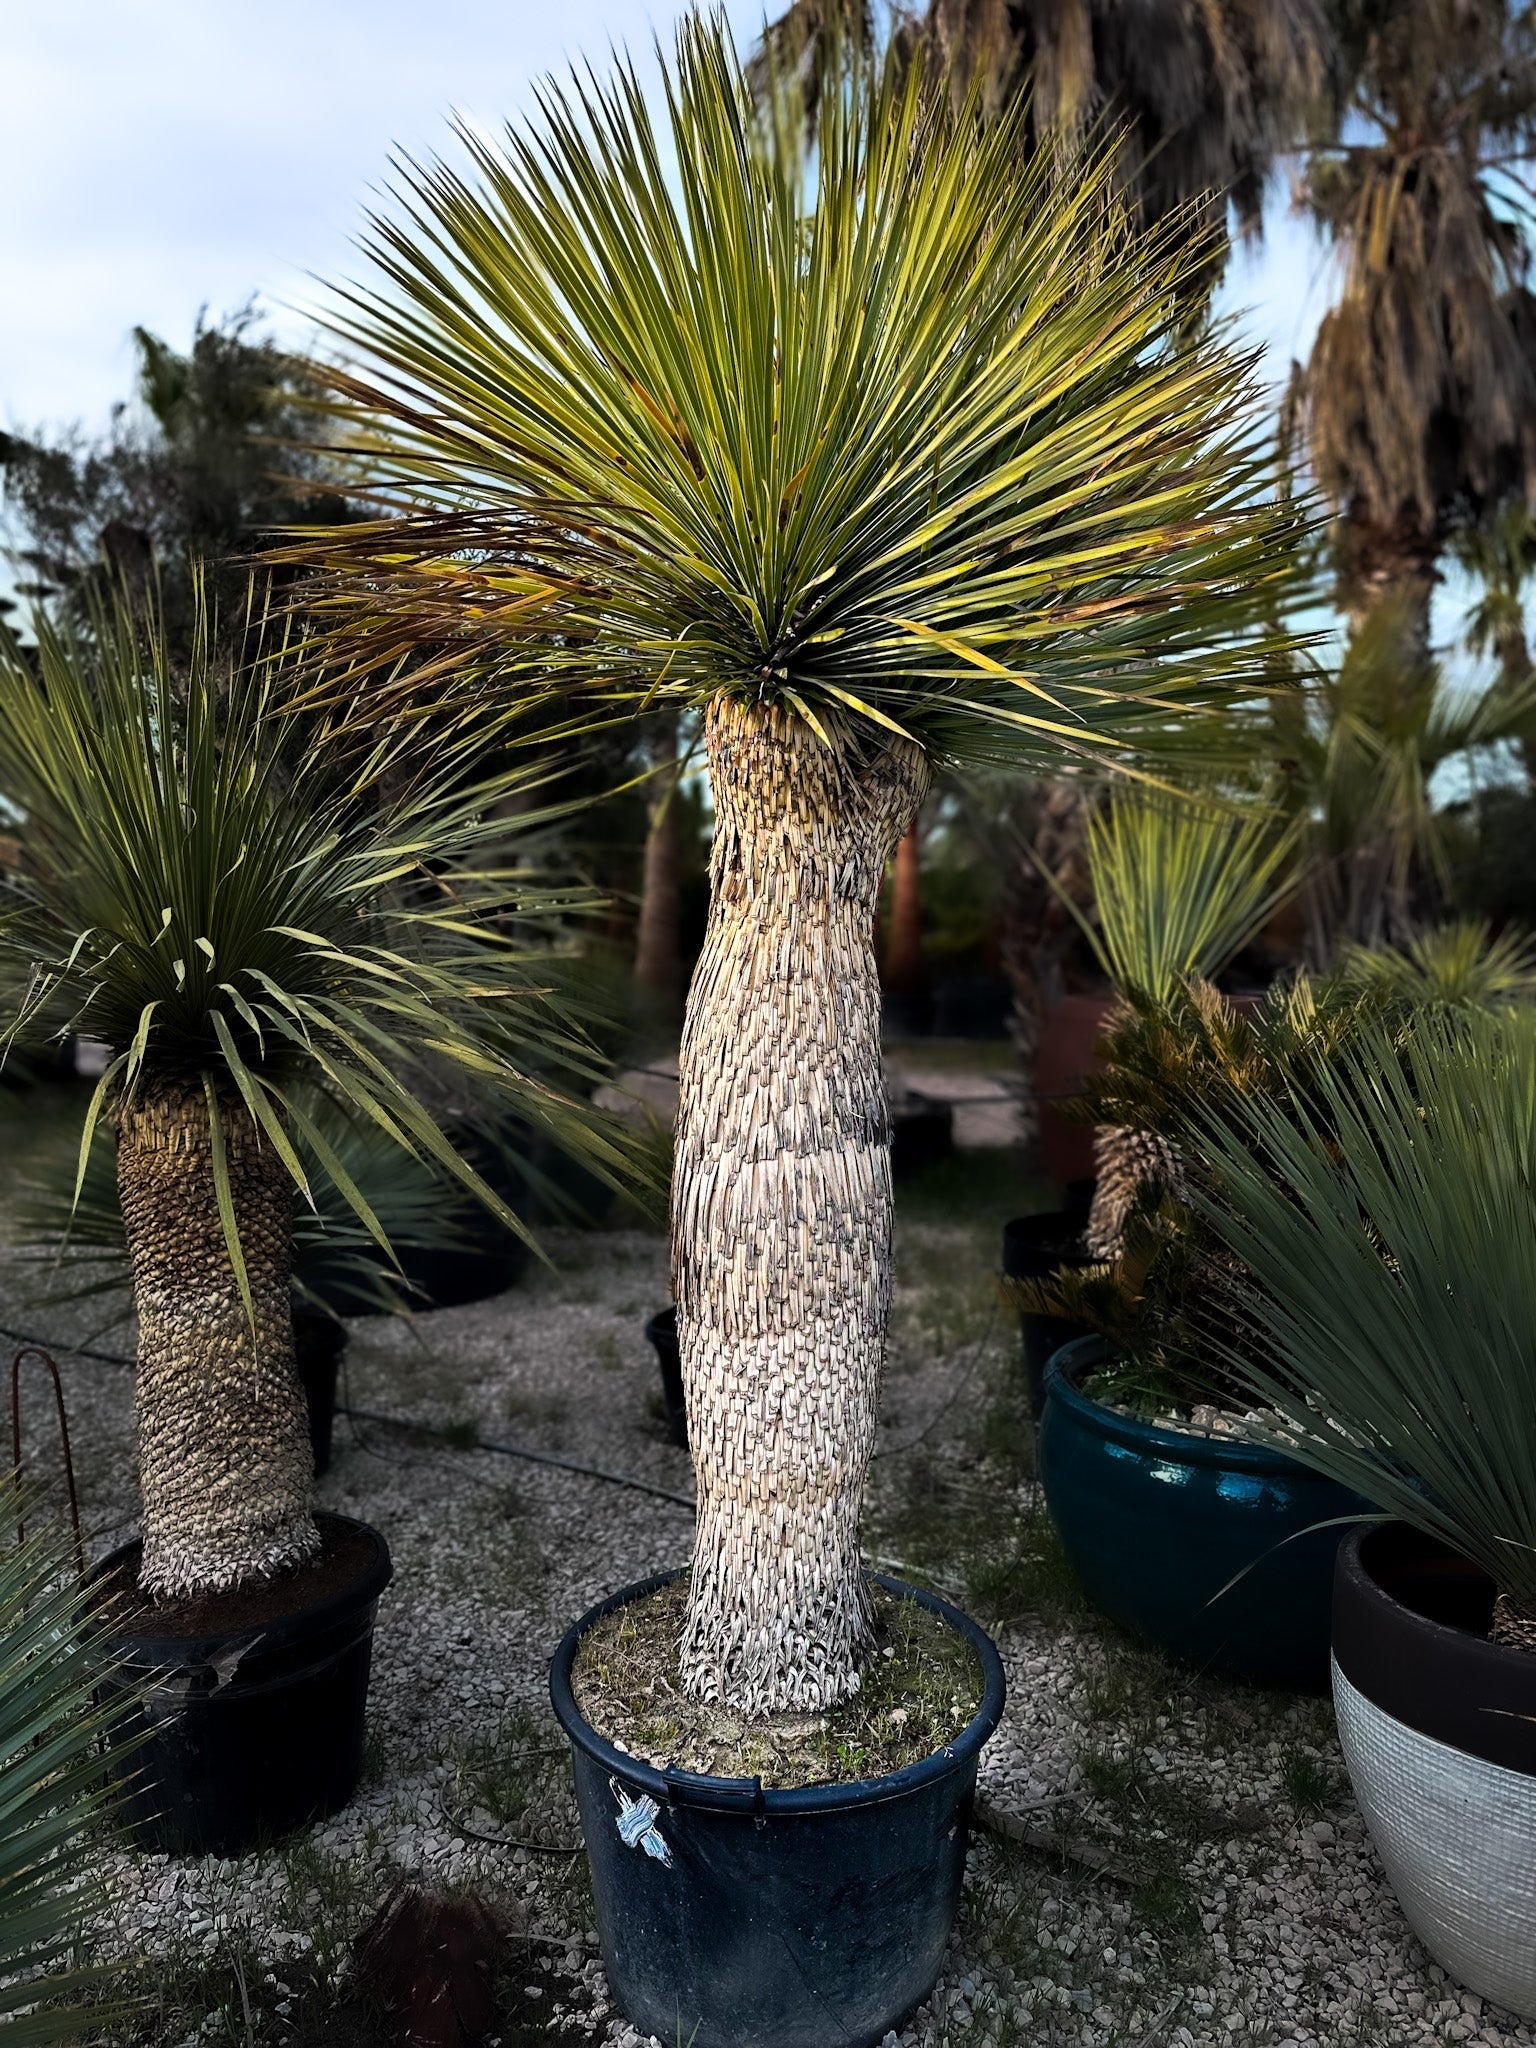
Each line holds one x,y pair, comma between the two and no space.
1158,1524
1035,1247
734,1916
662,1333
1438,1728
238,1737
922,1134
318,1342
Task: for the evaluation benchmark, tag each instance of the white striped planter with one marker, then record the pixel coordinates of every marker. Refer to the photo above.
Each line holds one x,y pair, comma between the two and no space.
1438,1728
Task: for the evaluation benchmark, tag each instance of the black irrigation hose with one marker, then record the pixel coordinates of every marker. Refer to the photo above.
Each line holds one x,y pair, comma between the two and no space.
682,1500
69,1350
402,1422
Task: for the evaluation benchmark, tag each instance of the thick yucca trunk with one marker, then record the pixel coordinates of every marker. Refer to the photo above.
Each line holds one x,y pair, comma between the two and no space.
782,1205
224,1455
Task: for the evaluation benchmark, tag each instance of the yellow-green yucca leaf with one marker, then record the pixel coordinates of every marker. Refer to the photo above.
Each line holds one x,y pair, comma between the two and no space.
660,408
1180,885
241,900
1381,1210
54,1648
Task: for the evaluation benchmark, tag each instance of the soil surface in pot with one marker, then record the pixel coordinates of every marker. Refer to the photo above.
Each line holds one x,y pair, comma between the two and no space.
920,1688
345,1556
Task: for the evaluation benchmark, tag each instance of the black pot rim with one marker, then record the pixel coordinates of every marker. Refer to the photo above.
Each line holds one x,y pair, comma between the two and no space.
664,1320
749,1795
1220,1453
140,1647
1448,1683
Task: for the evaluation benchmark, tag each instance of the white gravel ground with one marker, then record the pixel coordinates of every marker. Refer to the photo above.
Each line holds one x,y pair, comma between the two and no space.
1266,1927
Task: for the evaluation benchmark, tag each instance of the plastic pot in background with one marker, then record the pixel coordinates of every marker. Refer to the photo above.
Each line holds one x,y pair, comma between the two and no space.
972,1006
1035,1247
731,1915
1438,1728
1067,1053
906,1014
318,1342
253,1731
1156,1522
661,1330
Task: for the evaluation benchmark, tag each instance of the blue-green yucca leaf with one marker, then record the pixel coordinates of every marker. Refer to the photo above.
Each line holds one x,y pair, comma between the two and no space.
661,407
54,1648
1382,1214
238,899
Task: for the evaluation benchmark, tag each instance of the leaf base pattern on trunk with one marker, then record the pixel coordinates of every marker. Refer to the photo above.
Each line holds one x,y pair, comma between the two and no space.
782,1207
224,1453
1513,1625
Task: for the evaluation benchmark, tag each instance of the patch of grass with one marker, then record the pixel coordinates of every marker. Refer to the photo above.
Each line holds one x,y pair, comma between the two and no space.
461,1435
606,1353
534,1405
1311,1788
920,1687
1166,1903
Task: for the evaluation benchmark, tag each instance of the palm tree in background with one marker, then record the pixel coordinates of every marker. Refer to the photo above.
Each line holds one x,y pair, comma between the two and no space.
1420,395
221,452
1501,554
876,461
1202,95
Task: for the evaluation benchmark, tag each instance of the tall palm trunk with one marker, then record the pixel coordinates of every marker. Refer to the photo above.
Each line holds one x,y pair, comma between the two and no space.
224,1455
782,1213
906,970
658,946
1387,584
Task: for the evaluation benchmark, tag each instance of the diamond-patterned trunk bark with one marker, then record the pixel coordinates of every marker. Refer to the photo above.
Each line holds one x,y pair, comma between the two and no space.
224,1453
782,1207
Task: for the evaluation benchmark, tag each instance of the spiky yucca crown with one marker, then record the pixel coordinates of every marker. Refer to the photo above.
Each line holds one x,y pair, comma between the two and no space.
252,905
905,430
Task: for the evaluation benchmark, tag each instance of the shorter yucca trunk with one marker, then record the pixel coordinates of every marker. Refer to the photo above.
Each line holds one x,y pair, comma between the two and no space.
1513,1625
782,1209
224,1453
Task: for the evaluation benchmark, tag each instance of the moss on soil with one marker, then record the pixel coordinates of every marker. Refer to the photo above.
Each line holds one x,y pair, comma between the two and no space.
919,1689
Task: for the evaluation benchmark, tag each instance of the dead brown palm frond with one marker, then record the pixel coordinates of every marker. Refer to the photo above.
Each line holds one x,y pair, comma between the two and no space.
1206,92
1421,391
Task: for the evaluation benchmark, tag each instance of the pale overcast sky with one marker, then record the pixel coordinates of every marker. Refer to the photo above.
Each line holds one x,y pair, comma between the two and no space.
166,154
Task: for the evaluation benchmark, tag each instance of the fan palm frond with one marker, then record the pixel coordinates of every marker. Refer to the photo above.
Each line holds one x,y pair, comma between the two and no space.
1180,886
1457,965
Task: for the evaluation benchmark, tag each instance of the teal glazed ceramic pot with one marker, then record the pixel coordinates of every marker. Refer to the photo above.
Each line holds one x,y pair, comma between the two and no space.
1155,1522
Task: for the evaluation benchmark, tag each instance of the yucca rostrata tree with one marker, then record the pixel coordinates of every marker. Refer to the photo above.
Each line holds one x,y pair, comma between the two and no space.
247,907
879,461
